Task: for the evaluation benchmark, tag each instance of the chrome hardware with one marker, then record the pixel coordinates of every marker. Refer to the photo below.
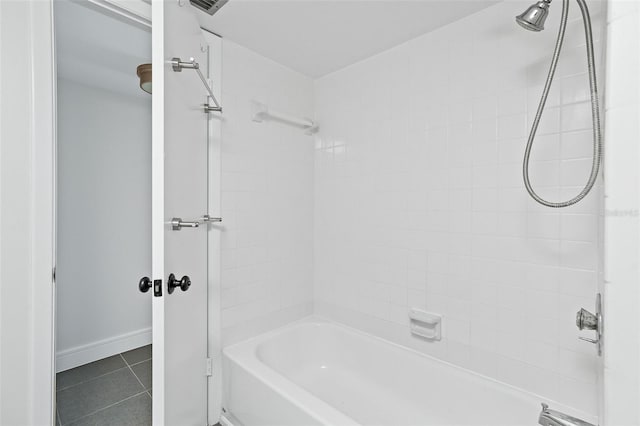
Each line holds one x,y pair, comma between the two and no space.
178,65
208,219
585,320
550,417
177,223
209,108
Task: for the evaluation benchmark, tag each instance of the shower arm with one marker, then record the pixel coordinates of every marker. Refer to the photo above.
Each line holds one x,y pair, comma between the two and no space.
179,65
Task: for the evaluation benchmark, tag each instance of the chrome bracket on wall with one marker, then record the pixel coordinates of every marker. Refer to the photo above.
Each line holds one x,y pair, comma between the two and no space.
178,65
585,320
177,223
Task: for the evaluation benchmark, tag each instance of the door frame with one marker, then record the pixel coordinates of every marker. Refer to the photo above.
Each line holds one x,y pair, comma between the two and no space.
43,173
44,187
214,189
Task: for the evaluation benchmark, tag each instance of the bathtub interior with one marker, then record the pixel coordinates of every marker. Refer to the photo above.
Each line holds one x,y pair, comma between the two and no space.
320,366
375,382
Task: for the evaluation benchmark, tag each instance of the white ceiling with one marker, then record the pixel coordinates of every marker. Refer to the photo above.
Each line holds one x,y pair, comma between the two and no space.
316,37
97,50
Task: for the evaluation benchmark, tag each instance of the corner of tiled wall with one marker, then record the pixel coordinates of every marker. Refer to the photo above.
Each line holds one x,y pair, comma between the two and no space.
622,207
266,200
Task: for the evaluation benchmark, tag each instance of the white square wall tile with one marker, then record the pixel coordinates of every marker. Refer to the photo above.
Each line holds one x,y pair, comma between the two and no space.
435,209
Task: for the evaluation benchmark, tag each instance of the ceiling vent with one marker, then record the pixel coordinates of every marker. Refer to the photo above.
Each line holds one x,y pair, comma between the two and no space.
209,6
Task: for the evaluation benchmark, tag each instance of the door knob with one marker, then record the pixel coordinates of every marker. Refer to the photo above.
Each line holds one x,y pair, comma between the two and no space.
145,284
183,283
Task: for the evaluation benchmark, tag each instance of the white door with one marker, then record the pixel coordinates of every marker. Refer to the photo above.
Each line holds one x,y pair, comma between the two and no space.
179,190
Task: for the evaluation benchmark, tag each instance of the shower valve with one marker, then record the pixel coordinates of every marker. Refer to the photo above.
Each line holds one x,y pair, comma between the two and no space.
585,320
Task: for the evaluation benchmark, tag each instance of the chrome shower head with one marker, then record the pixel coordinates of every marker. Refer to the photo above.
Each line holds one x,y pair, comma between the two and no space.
533,18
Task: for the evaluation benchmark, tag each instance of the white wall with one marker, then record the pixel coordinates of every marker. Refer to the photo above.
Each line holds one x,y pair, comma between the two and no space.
419,200
267,201
622,328
104,230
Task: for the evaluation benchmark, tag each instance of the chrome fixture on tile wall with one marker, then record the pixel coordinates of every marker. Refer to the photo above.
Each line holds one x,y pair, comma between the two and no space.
178,65
585,320
533,19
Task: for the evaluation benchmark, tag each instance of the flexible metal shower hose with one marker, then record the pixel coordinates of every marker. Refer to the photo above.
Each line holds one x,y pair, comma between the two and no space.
595,110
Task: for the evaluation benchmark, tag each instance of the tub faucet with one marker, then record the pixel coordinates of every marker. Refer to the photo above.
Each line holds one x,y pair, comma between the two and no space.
550,417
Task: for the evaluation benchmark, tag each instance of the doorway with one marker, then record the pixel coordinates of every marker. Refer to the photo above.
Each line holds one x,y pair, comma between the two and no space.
103,247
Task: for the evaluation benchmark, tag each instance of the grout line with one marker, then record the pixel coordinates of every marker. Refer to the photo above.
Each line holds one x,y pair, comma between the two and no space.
135,363
137,378
126,364
139,362
108,406
134,374
93,378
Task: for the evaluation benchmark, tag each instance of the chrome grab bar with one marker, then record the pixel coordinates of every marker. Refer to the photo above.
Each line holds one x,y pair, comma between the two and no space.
177,223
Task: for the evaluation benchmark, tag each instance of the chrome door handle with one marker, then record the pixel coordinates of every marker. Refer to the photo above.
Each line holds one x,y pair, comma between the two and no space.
177,223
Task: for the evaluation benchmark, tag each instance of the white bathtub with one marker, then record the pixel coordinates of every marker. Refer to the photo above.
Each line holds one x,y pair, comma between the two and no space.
315,372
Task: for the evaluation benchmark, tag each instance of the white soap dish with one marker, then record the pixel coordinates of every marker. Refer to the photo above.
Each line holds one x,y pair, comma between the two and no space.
425,324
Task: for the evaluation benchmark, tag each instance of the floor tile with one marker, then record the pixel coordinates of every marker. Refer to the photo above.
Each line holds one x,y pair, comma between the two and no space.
83,399
143,371
89,371
135,411
137,355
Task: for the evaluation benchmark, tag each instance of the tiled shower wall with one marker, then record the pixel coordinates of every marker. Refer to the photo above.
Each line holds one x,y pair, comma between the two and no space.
419,199
267,204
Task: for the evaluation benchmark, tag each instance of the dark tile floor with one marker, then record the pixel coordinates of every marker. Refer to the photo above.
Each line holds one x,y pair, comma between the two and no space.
111,391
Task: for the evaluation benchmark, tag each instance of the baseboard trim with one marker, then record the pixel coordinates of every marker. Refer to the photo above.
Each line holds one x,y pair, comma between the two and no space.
84,354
